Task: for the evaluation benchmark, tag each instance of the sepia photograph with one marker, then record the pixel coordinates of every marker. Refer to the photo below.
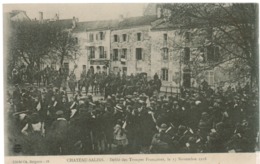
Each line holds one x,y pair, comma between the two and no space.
131,78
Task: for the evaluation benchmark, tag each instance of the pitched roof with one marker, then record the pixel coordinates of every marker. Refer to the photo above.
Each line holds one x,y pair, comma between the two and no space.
136,21
115,24
95,25
64,23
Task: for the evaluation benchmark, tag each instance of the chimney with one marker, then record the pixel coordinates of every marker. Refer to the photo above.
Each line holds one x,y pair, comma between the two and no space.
159,12
74,22
40,16
56,17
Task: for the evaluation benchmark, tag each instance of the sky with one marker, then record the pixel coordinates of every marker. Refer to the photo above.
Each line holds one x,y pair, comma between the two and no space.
84,12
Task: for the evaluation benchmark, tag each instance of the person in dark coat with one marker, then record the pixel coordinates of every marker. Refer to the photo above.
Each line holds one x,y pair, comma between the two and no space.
161,141
16,96
58,134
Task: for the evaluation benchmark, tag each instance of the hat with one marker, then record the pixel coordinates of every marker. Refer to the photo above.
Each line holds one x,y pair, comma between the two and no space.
92,104
163,126
197,102
129,96
141,102
118,108
59,113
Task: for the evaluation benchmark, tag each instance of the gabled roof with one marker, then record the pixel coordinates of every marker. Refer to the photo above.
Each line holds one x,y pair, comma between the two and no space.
20,15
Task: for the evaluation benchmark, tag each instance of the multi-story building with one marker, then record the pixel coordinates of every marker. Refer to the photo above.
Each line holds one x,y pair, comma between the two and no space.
184,56
94,41
131,45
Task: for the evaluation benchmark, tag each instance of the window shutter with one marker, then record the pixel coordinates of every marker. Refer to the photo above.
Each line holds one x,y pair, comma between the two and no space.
127,37
104,35
105,52
97,36
120,52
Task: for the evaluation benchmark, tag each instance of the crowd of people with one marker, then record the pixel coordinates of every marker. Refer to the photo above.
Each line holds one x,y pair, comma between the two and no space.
50,122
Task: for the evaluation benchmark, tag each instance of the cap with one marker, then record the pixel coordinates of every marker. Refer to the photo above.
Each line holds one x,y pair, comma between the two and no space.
59,112
163,126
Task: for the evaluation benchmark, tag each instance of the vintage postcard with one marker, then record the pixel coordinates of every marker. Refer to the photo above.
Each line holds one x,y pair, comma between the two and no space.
131,83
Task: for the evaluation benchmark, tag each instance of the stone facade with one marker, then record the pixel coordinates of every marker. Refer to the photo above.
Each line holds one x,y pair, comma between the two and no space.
130,42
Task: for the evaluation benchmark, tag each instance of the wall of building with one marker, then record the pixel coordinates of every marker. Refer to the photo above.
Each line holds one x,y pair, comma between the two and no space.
133,66
97,61
158,61
82,58
176,43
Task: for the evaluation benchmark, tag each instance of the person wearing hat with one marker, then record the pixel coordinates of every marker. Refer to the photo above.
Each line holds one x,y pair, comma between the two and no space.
58,135
16,96
161,141
34,132
120,138
49,93
52,108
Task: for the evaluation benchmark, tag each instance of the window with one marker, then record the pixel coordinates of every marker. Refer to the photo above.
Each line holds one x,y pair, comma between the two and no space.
115,54
124,53
92,52
165,54
115,38
101,52
66,66
124,37
101,35
91,37
76,40
213,54
186,55
187,36
165,37
84,67
138,53
139,36
165,74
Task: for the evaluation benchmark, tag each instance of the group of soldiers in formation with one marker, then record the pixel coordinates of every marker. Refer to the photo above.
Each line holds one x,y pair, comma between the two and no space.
49,122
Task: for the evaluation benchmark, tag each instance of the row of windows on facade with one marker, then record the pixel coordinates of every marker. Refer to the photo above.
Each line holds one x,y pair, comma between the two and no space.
186,77
210,54
125,37
187,36
123,54
116,38
99,36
